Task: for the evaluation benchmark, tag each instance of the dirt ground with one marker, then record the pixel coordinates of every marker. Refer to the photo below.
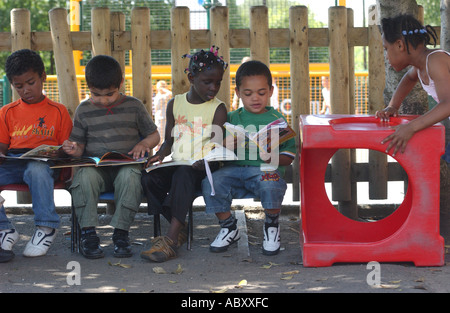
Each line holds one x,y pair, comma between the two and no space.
242,269
197,270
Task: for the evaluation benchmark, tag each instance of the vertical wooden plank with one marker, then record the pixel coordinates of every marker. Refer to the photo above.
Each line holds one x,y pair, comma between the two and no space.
20,34
378,165
299,58
219,26
65,67
339,64
377,74
100,31
259,34
141,56
351,207
181,44
339,90
20,39
351,67
118,24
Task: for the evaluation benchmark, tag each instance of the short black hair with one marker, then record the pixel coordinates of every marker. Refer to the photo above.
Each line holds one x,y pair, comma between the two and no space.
21,61
103,72
253,68
408,28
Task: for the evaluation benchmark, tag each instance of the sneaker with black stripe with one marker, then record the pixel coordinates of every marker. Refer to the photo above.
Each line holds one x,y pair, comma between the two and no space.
225,238
8,238
39,243
271,243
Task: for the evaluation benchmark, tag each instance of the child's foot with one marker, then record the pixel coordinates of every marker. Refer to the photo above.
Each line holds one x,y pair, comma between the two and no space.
6,255
39,243
8,238
122,246
90,244
163,249
224,239
271,243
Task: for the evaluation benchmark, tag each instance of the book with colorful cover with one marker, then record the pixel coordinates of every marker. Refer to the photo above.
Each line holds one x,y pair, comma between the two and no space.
112,158
263,138
216,153
41,153
52,154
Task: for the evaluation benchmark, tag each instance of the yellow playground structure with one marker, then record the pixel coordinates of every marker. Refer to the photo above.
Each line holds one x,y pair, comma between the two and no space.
280,72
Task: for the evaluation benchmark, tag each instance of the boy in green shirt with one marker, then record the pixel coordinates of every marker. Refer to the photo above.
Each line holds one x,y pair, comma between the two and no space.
257,171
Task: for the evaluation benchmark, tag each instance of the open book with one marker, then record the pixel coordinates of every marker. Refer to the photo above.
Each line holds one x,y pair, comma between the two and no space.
41,153
218,153
271,135
52,154
112,158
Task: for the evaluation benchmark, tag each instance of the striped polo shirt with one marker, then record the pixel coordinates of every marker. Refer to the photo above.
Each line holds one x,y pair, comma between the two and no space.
118,127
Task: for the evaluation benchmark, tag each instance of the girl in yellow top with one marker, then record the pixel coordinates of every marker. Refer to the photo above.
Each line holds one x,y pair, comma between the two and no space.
192,119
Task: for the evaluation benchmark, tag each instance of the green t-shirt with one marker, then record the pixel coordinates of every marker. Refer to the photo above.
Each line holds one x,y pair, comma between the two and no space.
249,155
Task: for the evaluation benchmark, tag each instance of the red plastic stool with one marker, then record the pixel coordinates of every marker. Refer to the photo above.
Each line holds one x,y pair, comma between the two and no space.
410,234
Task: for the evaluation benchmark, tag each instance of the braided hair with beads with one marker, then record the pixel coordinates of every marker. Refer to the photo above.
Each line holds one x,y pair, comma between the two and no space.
204,60
408,28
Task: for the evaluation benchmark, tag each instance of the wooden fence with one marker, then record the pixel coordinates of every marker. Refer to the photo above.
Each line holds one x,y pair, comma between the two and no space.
108,36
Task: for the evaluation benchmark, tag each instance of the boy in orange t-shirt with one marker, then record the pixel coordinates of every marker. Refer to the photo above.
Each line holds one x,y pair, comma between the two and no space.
25,124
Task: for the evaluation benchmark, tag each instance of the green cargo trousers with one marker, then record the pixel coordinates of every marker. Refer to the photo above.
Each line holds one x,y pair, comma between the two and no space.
89,182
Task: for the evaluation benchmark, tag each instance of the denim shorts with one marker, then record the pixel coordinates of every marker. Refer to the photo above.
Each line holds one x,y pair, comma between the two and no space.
237,182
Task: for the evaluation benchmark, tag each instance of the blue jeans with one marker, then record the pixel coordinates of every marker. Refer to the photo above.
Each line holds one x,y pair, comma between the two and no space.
446,156
40,179
236,182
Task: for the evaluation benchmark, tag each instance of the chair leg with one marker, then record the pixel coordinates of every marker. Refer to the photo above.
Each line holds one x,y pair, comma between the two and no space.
73,231
156,225
190,228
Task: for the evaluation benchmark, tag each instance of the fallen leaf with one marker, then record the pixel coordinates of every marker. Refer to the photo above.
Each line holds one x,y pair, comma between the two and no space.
266,266
179,270
287,277
291,272
241,284
389,286
119,264
172,281
122,290
159,270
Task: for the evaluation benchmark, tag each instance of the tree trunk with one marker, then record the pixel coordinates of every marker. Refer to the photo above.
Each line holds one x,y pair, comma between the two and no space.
417,101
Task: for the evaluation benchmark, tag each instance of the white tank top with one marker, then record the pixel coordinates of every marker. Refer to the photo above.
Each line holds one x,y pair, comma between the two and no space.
430,88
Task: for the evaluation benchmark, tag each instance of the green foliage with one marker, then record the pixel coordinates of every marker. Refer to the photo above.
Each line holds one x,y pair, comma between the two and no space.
39,22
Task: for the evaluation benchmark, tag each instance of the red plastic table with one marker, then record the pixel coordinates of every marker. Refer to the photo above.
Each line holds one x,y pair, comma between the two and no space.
410,234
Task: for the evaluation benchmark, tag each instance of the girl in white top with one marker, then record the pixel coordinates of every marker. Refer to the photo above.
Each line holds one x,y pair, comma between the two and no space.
405,41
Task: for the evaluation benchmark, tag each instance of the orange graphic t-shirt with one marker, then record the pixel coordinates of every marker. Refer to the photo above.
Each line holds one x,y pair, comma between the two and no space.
24,125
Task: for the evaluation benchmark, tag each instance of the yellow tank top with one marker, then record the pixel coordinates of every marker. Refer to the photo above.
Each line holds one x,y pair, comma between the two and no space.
193,126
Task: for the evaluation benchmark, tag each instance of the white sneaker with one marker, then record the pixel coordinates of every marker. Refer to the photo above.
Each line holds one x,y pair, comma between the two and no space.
271,243
8,238
224,239
39,243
